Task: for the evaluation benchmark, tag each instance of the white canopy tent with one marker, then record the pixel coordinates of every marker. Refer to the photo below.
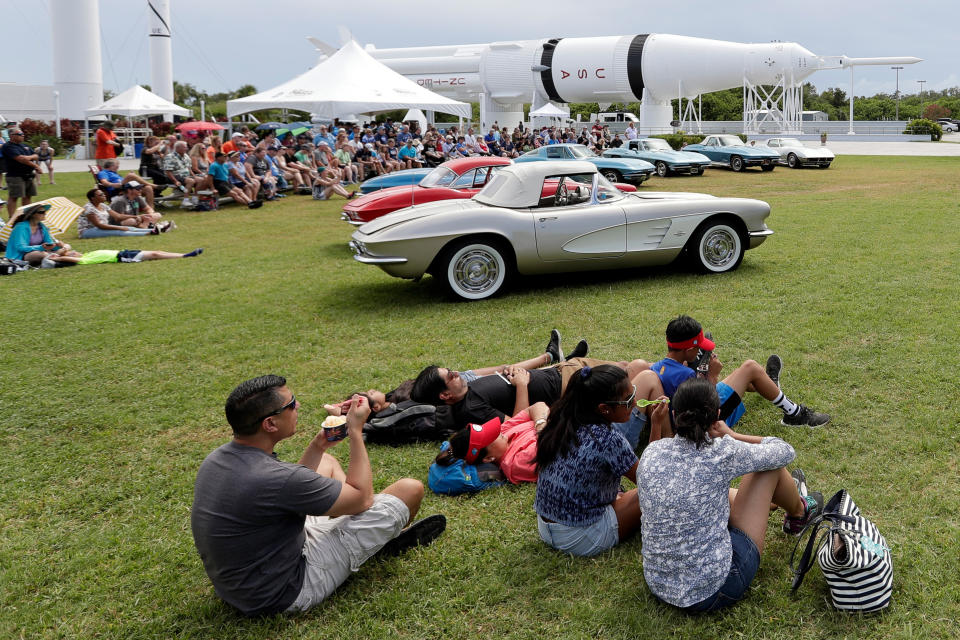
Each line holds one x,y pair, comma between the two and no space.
349,81
417,116
134,102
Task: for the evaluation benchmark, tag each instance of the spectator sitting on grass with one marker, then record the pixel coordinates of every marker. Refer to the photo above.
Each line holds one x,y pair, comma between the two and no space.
30,239
702,540
131,210
581,458
279,537
95,221
684,341
113,183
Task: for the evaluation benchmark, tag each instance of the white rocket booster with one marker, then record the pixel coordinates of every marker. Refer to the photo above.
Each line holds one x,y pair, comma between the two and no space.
77,70
161,58
653,68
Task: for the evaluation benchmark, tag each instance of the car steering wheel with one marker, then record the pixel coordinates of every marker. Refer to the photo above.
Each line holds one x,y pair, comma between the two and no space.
562,198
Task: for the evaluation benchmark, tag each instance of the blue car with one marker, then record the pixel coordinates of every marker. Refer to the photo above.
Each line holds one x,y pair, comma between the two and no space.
725,150
632,170
395,179
658,152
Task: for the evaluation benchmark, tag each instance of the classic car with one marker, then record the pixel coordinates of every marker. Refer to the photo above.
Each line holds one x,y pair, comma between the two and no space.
661,155
632,170
795,155
395,179
460,178
556,217
727,150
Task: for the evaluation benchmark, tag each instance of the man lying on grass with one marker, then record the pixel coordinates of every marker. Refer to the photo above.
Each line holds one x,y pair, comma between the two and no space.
280,537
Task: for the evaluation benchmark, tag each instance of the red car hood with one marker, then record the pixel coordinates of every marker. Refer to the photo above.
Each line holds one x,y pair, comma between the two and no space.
362,202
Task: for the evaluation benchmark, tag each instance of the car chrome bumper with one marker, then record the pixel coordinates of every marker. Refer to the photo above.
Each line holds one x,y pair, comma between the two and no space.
757,237
346,218
360,255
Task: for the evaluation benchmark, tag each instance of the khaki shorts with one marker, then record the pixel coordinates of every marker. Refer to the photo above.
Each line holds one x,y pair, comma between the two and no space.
336,547
570,367
21,187
103,161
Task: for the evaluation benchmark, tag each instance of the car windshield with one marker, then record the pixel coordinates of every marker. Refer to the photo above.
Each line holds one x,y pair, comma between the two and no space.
577,190
729,141
580,152
439,177
790,142
656,144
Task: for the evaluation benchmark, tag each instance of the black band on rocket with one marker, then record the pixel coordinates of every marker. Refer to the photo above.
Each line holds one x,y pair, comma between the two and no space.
635,65
546,76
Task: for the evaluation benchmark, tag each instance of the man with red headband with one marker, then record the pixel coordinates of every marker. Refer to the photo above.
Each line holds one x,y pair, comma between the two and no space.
685,339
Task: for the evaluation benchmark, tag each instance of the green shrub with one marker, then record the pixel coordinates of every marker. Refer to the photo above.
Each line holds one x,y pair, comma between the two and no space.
922,126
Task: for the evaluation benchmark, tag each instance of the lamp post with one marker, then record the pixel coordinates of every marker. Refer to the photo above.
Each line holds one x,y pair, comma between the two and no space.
896,94
920,82
56,98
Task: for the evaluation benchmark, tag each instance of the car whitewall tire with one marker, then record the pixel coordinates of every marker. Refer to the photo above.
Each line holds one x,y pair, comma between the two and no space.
476,270
717,248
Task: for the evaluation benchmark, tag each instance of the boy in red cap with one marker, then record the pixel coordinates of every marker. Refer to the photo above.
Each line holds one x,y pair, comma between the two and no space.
685,339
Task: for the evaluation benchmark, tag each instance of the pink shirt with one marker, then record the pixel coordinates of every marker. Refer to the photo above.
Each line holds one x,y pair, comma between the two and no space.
519,463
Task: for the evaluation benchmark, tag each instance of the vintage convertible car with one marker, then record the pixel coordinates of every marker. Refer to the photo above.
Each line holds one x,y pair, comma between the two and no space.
795,155
632,170
661,155
727,150
395,179
555,217
454,179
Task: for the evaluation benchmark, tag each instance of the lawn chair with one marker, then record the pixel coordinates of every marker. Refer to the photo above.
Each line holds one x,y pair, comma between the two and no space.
61,215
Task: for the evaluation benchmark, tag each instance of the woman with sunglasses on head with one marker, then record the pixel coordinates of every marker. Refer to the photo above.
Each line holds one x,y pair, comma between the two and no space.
702,540
581,458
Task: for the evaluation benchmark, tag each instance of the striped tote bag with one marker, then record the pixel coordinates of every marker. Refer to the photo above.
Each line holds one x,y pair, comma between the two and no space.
853,556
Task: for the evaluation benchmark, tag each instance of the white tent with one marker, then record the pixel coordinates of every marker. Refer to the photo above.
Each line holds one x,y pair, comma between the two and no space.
550,110
418,116
137,101
349,81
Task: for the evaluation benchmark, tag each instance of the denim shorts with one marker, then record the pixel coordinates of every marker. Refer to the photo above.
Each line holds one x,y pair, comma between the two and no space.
588,540
743,567
468,376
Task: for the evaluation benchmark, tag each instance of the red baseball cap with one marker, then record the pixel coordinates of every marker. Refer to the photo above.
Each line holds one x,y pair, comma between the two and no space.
481,435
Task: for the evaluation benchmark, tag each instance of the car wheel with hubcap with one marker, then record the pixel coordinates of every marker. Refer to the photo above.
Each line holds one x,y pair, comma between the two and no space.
662,169
717,248
611,174
475,270
792,161
736,163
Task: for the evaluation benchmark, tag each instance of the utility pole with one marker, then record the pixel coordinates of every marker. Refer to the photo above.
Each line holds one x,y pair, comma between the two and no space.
896,94
920,82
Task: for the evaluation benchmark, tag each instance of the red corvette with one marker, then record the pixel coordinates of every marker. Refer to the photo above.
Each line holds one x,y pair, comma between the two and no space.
454,179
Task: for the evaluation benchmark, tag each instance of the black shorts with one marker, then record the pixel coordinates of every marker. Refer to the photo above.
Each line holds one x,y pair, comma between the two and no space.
223,187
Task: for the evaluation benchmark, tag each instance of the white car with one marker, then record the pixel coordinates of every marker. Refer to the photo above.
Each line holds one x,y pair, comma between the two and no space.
795,155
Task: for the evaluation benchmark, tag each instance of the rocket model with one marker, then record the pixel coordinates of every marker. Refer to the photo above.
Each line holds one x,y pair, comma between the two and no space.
652,68
161,60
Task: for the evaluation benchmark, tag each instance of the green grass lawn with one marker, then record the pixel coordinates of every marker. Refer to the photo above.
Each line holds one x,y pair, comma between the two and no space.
114,377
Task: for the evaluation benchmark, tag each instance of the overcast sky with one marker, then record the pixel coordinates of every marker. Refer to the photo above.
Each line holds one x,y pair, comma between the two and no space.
219,45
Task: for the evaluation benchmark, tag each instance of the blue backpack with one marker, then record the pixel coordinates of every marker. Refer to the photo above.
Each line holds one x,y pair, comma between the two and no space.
459,477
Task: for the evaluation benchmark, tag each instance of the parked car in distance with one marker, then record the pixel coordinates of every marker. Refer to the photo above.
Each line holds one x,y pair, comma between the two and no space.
948,124
727,150
661,155
395,179
795,155
557,217
454,179
632,170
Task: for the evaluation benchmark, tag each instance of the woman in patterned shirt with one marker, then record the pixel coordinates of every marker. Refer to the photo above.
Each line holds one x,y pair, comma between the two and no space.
580,461
702,540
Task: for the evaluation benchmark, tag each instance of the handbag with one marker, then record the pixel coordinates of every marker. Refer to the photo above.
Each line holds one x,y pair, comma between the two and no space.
853,556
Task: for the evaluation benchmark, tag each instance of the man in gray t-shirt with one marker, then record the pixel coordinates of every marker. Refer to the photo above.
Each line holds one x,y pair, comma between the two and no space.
269,532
